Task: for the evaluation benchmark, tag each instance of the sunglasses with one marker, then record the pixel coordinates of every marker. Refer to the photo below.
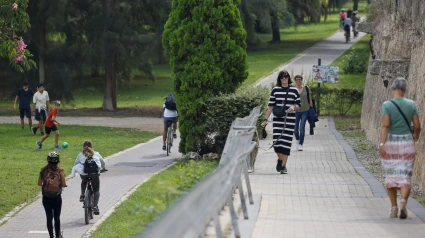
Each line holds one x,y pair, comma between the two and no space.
298,79
286,76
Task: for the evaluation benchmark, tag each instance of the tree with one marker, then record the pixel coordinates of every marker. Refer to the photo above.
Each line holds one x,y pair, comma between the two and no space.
15,21
355,5
206,43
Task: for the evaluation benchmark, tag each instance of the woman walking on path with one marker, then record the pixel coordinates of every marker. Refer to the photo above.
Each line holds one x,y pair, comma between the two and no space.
397,145
52,180
302,114
286,96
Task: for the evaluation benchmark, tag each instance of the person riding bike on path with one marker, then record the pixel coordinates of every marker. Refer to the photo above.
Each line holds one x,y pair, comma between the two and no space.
50,125
347,26
24,95
342,16
52,180
170,115
41,107
89,153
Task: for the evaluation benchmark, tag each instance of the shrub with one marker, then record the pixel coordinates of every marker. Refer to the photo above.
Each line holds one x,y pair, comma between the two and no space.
206,43
356,61
222,110
337,101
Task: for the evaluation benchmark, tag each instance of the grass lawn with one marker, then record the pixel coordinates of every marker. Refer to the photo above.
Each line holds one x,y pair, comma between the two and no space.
261,61
21,160
153,197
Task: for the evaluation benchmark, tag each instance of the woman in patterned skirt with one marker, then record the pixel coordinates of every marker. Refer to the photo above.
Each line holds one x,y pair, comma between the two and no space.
397,145
283,95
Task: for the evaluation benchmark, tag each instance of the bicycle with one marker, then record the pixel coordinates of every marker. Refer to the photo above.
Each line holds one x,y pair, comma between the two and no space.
89,200
169,140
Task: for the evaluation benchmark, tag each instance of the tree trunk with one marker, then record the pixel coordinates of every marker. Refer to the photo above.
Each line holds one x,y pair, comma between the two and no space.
356,5
161,58
95,71
42,50
275,27
110,96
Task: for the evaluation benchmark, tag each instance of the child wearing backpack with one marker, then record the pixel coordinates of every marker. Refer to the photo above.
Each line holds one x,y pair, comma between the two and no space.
52,180
89,163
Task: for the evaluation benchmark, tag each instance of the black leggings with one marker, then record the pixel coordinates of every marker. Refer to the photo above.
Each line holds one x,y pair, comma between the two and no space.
53,207
95,183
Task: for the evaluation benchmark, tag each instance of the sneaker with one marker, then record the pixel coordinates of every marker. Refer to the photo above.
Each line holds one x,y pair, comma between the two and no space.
42,133
164,147
57,147
82,198
279,165
284,170
39,144
34,130
96,210
175,136
300,147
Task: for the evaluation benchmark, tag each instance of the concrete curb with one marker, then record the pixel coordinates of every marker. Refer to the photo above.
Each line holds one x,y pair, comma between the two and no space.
377,188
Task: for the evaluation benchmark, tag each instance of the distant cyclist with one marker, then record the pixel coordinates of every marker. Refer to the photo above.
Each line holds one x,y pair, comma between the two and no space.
342,16
347,26
86,156
170,115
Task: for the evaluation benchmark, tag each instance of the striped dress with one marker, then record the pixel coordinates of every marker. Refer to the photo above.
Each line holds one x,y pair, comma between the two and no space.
277,97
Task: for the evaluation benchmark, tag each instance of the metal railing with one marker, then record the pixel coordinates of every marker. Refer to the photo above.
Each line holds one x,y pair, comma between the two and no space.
191,215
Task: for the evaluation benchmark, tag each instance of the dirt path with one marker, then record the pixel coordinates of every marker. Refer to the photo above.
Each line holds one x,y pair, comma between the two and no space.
150,124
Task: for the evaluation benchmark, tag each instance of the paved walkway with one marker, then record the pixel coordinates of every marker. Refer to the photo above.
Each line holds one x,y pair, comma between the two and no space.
327,50
327,193
126,170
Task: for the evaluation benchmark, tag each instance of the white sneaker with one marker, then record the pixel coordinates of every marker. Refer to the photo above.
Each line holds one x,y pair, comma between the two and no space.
300,147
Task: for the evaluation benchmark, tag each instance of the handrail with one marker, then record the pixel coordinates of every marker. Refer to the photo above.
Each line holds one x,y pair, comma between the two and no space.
191,214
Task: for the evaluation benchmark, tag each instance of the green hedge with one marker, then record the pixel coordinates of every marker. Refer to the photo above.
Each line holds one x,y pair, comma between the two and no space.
338,101
219,113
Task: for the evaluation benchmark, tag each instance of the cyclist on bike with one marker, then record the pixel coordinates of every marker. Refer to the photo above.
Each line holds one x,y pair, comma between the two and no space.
342,16
170,115
347,26
87,153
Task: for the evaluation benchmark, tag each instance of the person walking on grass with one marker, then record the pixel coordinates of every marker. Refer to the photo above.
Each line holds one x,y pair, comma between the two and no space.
50,125
41,107
52,180
286,96
397,145
301,115
24,95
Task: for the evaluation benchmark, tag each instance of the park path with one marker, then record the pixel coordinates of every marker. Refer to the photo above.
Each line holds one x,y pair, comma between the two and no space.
327,193
327,50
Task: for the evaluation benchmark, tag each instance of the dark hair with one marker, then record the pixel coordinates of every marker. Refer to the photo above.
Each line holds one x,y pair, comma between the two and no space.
280,76
40,85
25,83
88,149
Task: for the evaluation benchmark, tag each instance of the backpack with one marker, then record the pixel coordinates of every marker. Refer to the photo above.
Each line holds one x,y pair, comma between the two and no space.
90,166
51,183
170,102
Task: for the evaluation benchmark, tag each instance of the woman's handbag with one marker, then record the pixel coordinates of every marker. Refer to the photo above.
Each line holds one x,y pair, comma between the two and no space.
280,111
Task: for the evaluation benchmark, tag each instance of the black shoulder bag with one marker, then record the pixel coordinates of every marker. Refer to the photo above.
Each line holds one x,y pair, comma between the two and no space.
280,111
405,119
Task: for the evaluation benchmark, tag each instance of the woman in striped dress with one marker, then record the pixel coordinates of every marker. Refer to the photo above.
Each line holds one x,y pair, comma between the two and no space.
282,142
397,145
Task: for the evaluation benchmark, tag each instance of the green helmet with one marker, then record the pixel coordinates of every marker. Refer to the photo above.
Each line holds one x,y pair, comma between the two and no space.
53,157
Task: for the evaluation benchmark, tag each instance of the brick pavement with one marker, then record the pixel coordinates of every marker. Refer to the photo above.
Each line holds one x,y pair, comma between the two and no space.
126,170
324,195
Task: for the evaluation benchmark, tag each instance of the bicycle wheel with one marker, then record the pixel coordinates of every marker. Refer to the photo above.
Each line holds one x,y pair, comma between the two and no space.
169,140
91,202
87,207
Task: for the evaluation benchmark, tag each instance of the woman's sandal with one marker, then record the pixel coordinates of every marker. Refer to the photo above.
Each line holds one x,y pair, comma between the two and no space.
394,212
403,209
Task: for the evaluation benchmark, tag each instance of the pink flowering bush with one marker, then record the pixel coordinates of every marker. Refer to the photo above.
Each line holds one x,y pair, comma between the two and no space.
14,6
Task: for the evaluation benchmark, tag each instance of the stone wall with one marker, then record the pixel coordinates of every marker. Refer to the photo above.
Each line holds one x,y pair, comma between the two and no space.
397,49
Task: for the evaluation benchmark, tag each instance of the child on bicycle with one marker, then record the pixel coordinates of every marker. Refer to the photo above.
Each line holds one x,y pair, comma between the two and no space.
89,153
170,115
52,180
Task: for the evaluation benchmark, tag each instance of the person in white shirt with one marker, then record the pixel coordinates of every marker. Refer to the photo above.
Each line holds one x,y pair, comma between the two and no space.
170,115
41,108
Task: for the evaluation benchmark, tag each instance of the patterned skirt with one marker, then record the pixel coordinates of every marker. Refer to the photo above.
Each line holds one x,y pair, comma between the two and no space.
398,163
283,144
